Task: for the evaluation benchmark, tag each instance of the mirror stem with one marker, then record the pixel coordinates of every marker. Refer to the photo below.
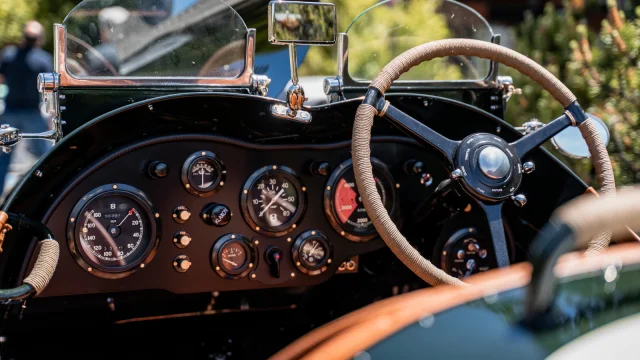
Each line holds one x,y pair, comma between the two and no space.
293,62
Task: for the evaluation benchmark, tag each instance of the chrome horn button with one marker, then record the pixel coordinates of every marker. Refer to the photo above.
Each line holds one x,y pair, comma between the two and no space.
494,163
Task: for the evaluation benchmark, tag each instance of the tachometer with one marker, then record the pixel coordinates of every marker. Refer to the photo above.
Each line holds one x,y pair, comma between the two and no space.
343,204
273,200
113,230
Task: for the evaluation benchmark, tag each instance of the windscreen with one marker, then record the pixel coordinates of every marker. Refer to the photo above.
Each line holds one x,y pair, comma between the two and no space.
388,28
155,38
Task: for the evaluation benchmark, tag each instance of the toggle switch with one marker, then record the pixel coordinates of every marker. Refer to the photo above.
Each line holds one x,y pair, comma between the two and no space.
273,257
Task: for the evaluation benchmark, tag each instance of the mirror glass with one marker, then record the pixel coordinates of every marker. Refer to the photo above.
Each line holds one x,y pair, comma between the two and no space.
302,23
571,143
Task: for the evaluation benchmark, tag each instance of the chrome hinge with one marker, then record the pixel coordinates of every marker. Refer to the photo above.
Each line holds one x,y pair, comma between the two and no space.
261,84
332,87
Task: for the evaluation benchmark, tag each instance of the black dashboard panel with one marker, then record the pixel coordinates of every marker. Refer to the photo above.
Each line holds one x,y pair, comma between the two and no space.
245,137
130,166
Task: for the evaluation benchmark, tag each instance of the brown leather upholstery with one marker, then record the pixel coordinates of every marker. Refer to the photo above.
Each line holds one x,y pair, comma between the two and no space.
355,332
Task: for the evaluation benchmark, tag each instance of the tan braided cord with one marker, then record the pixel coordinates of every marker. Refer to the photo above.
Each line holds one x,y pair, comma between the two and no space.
45,265
361,151
376,210
604,176
617,212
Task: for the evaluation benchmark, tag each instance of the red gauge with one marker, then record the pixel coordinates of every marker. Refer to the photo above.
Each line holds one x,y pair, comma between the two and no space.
344,206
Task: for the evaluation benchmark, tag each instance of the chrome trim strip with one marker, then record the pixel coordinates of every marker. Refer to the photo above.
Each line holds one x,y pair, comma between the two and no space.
245,80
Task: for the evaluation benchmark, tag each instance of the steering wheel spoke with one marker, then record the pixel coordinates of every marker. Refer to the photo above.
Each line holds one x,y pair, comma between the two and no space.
422,133
525,144
493,212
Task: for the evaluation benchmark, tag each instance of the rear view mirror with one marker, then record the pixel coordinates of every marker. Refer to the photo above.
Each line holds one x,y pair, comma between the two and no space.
571,143
304,23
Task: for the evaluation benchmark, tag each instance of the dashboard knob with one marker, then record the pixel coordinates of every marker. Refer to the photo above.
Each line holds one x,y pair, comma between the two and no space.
273,256
182,263
181,214
216,214
413,167
182,239
528,167
158,169
320,168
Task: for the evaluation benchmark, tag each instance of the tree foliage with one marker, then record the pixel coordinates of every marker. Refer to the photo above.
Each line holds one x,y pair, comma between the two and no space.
601,67
13,15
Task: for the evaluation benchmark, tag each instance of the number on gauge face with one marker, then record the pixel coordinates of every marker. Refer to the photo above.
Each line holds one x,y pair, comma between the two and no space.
273,201
112,231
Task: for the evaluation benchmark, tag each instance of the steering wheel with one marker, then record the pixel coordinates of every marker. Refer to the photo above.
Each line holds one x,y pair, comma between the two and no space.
487,167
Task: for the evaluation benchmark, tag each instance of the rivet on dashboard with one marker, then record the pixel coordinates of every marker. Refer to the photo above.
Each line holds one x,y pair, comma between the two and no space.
274,167
253,276
250,265
115,186
257,228
142,266
256,242
328,187
293,274
233,236
288,239
175,240
221,183
468,208
298,263
294,226
313,233
203,153
217,268
397,186
187,186
304,188
89,269
150,107
246,191
72,219
342,233
175,263
329,261
157,215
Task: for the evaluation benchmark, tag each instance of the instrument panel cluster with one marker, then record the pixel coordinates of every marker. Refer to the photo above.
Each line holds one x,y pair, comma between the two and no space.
230,224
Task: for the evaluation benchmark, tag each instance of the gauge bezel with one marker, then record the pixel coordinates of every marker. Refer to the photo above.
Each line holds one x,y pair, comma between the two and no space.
192,159
248,212
155,231
329,201
297,246
252,258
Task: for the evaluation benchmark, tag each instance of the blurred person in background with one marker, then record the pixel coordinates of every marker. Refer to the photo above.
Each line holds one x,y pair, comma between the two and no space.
19,68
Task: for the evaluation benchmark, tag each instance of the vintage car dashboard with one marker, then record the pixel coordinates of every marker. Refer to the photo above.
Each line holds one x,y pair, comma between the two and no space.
209,192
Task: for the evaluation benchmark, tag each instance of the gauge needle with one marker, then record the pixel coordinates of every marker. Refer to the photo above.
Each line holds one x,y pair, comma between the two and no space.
202,173
313,250
230,262
125,218
271,203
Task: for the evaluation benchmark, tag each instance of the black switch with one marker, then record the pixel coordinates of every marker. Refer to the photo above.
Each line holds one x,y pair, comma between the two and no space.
216,215
158,169
273,256
320,168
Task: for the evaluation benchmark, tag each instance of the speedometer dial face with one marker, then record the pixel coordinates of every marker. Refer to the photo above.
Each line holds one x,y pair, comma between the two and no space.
343,203
112,230
273,200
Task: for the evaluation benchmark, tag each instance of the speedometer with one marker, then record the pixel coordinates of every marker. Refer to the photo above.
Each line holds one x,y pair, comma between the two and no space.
343,204
113,230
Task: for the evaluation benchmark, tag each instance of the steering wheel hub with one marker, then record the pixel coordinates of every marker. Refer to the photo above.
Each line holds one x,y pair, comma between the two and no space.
493,162
490,167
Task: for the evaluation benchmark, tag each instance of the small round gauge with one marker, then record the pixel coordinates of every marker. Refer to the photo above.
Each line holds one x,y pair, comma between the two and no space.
343,204
112,230
233,256
273,200
203,173
311,252
463,254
